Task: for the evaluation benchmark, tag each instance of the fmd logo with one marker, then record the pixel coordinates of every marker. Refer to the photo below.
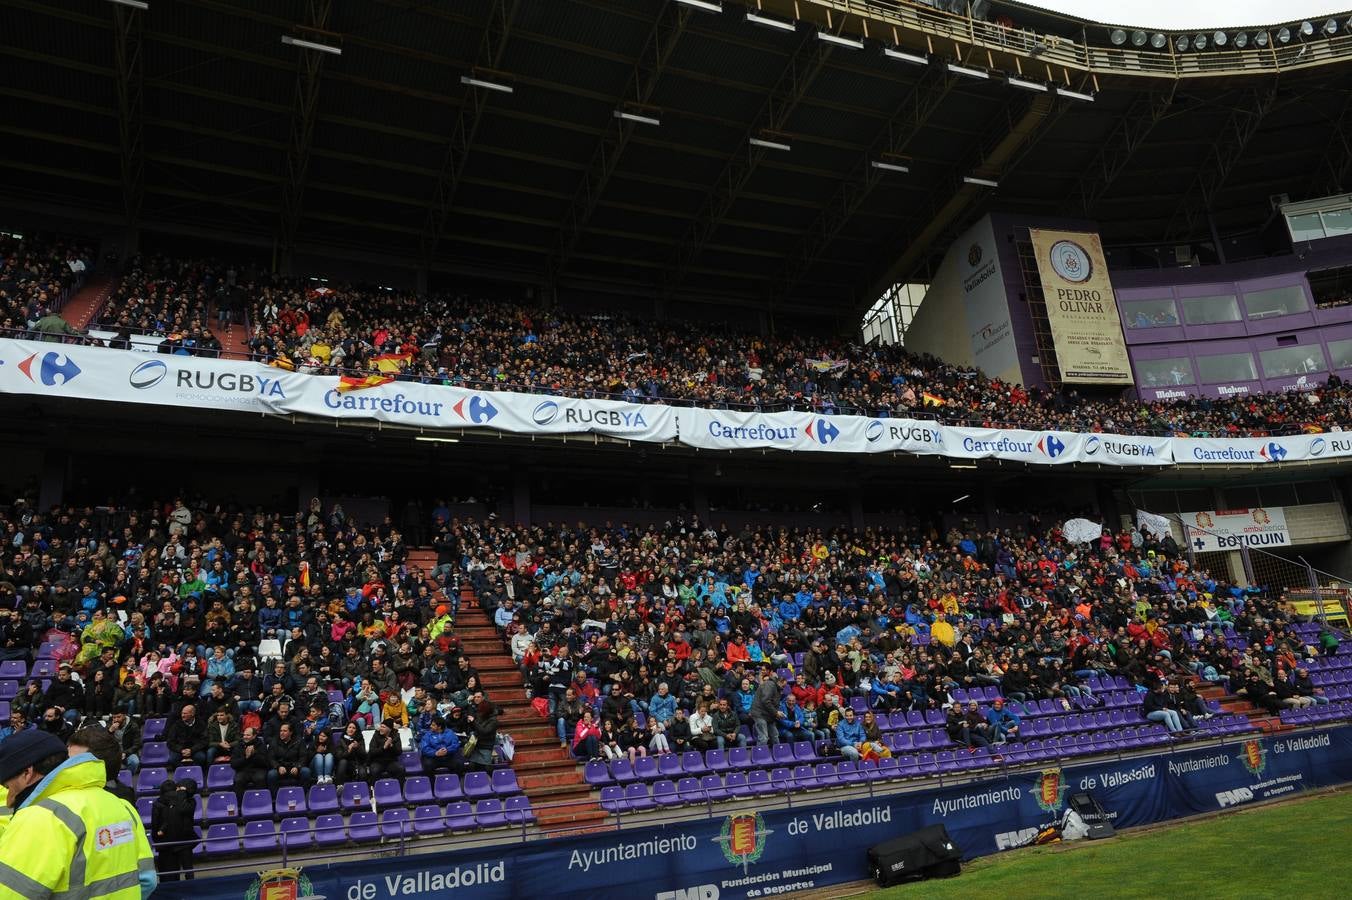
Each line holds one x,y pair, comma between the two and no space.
545,412
148,374
1051,446
874,432
824,433
53,369
476,409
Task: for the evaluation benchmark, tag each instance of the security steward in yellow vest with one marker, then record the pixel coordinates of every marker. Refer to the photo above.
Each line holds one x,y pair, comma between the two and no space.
68,838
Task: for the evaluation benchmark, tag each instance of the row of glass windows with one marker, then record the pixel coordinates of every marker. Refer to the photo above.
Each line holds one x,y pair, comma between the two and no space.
1162,313
1226,367
1315,225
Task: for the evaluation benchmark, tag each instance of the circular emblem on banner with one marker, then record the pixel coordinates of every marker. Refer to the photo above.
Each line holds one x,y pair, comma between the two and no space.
874,432
1092,444
1071,262
1317,446
545,413
974,254
147,374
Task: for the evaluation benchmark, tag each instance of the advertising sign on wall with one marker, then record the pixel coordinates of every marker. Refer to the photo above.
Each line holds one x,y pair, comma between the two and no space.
1081,308
1231,529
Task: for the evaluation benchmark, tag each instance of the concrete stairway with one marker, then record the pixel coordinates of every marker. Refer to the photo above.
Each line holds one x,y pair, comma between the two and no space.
546,772
1232,703
80,309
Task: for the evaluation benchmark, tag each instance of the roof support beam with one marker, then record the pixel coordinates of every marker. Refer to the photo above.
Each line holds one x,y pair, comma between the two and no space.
934,85
303,108
1221,157
647,72
128,32
1000,154
1115,152
496,31
793,84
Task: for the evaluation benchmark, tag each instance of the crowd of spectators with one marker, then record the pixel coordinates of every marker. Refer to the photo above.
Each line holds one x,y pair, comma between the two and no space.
36,271
171,299
300,648
637,641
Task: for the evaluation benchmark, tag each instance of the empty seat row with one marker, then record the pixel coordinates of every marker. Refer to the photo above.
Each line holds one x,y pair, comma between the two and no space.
330,830
353,794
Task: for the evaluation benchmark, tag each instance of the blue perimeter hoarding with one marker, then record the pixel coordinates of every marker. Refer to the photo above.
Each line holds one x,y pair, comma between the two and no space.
750,854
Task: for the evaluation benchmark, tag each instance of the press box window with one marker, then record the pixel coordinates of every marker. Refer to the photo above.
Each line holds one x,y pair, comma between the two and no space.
1286,361
1150,313
1226,367
1210,310
1163,372
1282,301
1340,353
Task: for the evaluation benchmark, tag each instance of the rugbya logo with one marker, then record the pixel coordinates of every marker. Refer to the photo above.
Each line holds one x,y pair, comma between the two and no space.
54,368
545,412
1052,446
825,432
874,432
1318,446
148,374
1092,444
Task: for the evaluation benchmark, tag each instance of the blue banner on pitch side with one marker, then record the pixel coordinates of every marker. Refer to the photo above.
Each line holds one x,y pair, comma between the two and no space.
750,853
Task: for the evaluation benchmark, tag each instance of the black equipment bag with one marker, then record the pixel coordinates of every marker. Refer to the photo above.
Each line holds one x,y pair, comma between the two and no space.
927,853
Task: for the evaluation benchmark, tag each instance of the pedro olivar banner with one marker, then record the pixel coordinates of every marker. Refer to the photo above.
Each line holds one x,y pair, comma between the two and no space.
1081,308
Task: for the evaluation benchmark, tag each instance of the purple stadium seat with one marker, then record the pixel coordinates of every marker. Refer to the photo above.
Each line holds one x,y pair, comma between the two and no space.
427,819
517,810
711,786
388,793
221,807
915,719
903,741
148,780
363,827
623,771
322,798
256,804
9,690
394,824
460,816
734,783
689,790
143,807
859,705
669,765
692,763
596,774
802,778
220,777
489,814
716,761
645,767
825,773
739,758
504,783
295,833
154,753
637,799
153,730
330,830
13,669
43,667
868,770
411,761
221,840
924,740
291,801
355,795
804,752
191,772
758,782
418,791
260,837
664,793
761,757
446,787
477,786
782,754
612,799
847,772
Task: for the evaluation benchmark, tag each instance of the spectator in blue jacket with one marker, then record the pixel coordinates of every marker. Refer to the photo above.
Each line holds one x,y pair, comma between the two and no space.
885,694
789,610
662,706
792,722
1004,724
439,748
849,735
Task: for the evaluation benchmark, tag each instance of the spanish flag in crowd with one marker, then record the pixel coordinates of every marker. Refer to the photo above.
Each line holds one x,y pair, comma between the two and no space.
283,362
928,399
391,363
361,382
304,574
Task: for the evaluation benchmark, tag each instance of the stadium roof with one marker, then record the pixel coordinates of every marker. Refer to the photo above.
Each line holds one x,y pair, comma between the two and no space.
195,115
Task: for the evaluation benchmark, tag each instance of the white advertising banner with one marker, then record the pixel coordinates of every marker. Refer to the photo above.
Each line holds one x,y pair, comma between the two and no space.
94,373
1232,529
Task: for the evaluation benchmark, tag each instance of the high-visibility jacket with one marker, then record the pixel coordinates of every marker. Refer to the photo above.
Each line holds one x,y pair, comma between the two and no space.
72,840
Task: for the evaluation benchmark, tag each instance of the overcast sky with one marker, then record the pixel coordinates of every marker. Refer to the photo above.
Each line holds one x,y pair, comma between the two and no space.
1167,14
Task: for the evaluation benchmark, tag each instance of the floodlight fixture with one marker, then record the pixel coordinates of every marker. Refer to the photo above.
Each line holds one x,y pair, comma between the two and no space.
969,72
840,40
1118,37
1138,38
311,45
1306,29
487,85
1158,41
768,22
769,145
1331,27
704,5
1220,39
1284,35
888,166
1075,95
1027,85
981,182
1241,41
1199,42
134,4
1261,39
1181,43
916,58
639,117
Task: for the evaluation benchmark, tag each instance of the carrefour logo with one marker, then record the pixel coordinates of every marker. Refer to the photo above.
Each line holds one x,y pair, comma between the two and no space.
1092,444
1318,446
148,374
1273,452
545,412
825,432
53,369
1051,446
475,409
874,432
